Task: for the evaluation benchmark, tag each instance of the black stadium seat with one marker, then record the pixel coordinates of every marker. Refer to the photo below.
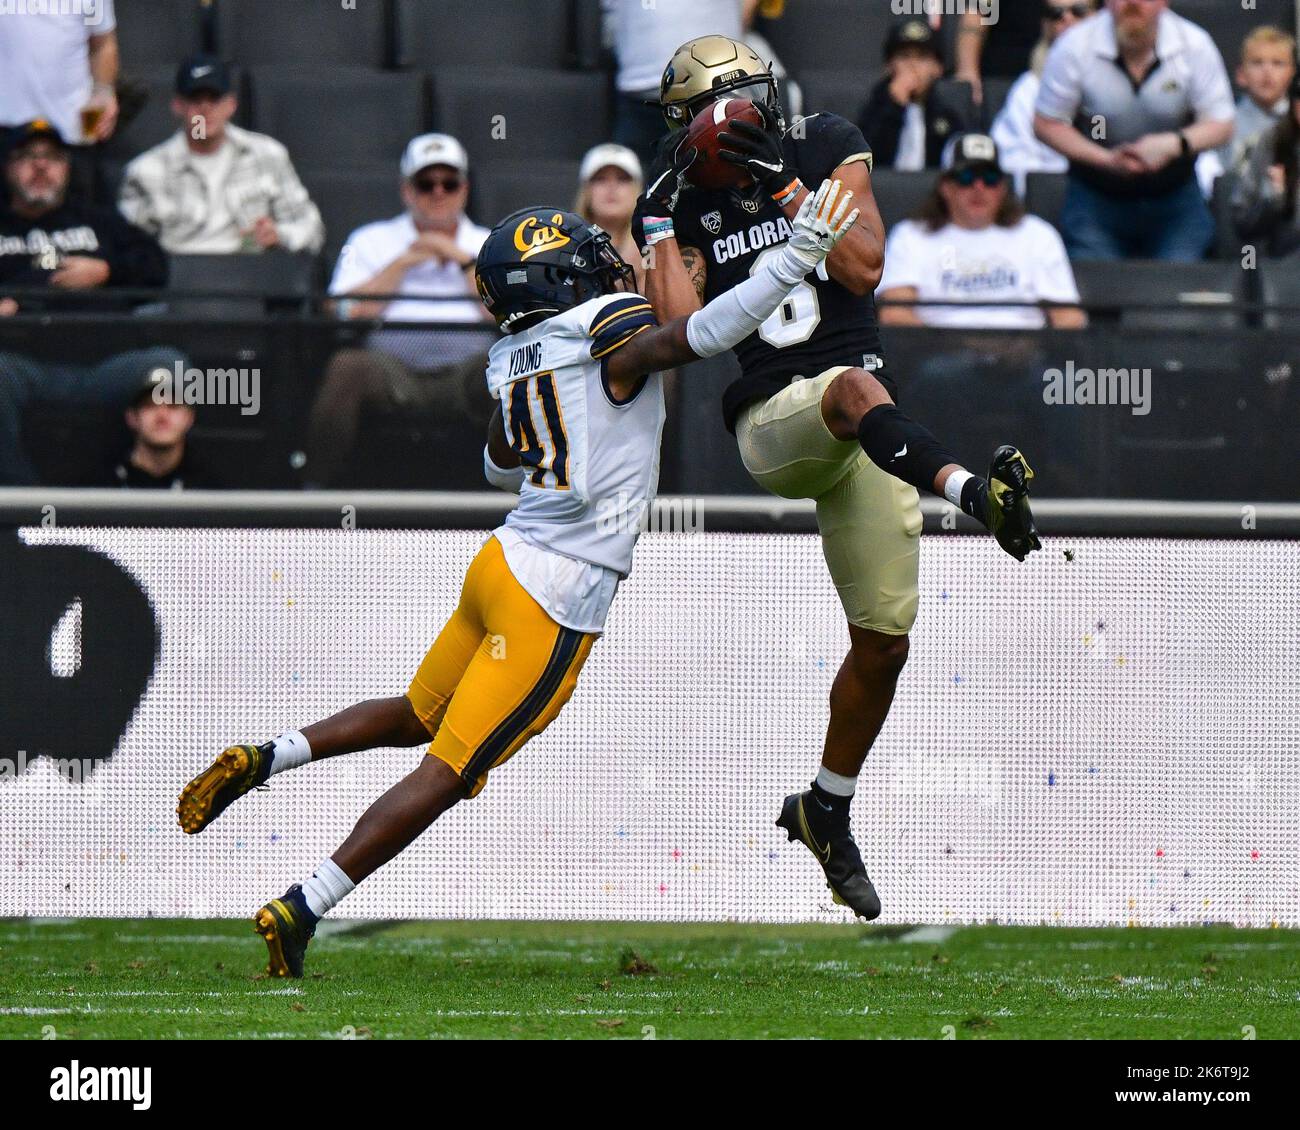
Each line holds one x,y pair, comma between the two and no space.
524,33
349,198
157,31
840,34
240,284
899,194
1230,23
340,117
502,189
507,114
995,97
1045,196
1280,285
838,92
1156,296
315,34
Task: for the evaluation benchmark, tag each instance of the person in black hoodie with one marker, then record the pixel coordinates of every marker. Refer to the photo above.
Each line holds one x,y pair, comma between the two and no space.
906,120
54,249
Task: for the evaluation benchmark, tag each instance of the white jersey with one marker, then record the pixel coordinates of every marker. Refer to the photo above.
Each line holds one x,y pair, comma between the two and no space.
591,462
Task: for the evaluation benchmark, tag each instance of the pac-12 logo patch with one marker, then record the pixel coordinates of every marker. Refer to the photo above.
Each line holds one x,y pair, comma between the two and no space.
712,221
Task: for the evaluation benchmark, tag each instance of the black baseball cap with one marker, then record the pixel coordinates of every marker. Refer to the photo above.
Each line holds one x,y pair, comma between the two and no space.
36,130
202,72
912,33
156,376
970,151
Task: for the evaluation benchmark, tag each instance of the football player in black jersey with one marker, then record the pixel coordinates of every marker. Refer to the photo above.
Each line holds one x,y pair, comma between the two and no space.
813,412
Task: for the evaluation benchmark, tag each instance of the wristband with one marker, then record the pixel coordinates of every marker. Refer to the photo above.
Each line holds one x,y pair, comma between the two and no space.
785,195
1186,145
657,228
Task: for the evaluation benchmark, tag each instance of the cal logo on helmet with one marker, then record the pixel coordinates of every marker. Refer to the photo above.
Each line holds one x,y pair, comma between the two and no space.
532,236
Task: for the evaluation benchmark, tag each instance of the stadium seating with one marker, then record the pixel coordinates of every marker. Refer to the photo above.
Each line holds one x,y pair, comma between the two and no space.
349,198
842,34
157,32
522,33
1229,23
509,114
307,34
1280,286
1152,296
1045,196
995,97
842,92
241,286
899,194
343,117
508,187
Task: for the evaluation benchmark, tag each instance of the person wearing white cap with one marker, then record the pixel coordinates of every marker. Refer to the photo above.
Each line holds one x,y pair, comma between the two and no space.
422,263
609,182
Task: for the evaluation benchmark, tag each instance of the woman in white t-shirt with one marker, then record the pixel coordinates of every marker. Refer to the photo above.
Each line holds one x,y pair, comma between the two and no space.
973,245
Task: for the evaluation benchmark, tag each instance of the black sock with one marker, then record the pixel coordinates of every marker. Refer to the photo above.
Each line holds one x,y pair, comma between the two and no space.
898,444
975,499
832,804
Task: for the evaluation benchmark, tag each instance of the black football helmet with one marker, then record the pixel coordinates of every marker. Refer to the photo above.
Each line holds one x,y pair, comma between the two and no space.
539,262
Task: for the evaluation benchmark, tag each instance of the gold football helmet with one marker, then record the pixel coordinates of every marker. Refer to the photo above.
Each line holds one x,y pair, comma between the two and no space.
703,69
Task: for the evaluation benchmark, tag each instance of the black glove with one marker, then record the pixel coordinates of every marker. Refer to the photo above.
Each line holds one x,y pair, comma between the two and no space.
758,151
667,186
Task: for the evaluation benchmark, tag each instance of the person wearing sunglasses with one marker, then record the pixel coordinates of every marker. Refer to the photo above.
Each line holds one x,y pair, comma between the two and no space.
973,244
415,267
1013,128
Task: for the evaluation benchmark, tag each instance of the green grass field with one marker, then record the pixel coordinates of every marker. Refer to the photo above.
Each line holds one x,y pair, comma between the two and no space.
98,978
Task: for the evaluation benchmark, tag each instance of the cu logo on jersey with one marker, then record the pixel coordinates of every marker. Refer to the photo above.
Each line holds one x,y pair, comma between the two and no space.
532,236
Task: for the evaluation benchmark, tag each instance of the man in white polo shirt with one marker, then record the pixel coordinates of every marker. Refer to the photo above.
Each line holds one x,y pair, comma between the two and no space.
1130,97
424,258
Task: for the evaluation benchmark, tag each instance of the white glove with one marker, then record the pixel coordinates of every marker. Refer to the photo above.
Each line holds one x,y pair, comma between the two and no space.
821,223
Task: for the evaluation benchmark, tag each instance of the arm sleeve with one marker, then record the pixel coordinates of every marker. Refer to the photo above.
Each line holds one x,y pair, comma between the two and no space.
355,265
136,200
1061,91
1212,98
736,313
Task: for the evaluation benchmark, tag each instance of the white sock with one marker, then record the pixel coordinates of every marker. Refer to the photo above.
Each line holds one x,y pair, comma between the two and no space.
326,888
836,783
288,751
952,487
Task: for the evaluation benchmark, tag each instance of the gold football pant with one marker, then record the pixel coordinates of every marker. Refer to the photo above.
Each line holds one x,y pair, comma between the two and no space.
870,522
498,673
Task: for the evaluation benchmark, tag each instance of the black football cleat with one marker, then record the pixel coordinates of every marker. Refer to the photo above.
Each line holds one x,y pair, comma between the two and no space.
1010,519
235,771
286,925
829,839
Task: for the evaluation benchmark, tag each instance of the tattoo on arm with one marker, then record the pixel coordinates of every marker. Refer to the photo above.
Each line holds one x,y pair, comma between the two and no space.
696,268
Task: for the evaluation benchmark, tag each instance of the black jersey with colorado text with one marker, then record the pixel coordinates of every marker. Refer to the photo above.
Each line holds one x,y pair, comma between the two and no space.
822,323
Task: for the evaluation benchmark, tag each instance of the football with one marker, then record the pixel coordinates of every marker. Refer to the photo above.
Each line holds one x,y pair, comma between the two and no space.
710,171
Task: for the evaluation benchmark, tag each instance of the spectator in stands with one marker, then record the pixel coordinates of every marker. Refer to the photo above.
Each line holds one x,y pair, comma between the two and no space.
995,40
1265,74
1152,91
644,37
159,457
59,64
424,258
1013,128
213,188
906,119
973,244
1267,189
610,181
63,249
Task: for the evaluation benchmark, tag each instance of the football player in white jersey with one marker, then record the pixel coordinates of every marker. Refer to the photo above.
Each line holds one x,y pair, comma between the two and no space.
576,433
